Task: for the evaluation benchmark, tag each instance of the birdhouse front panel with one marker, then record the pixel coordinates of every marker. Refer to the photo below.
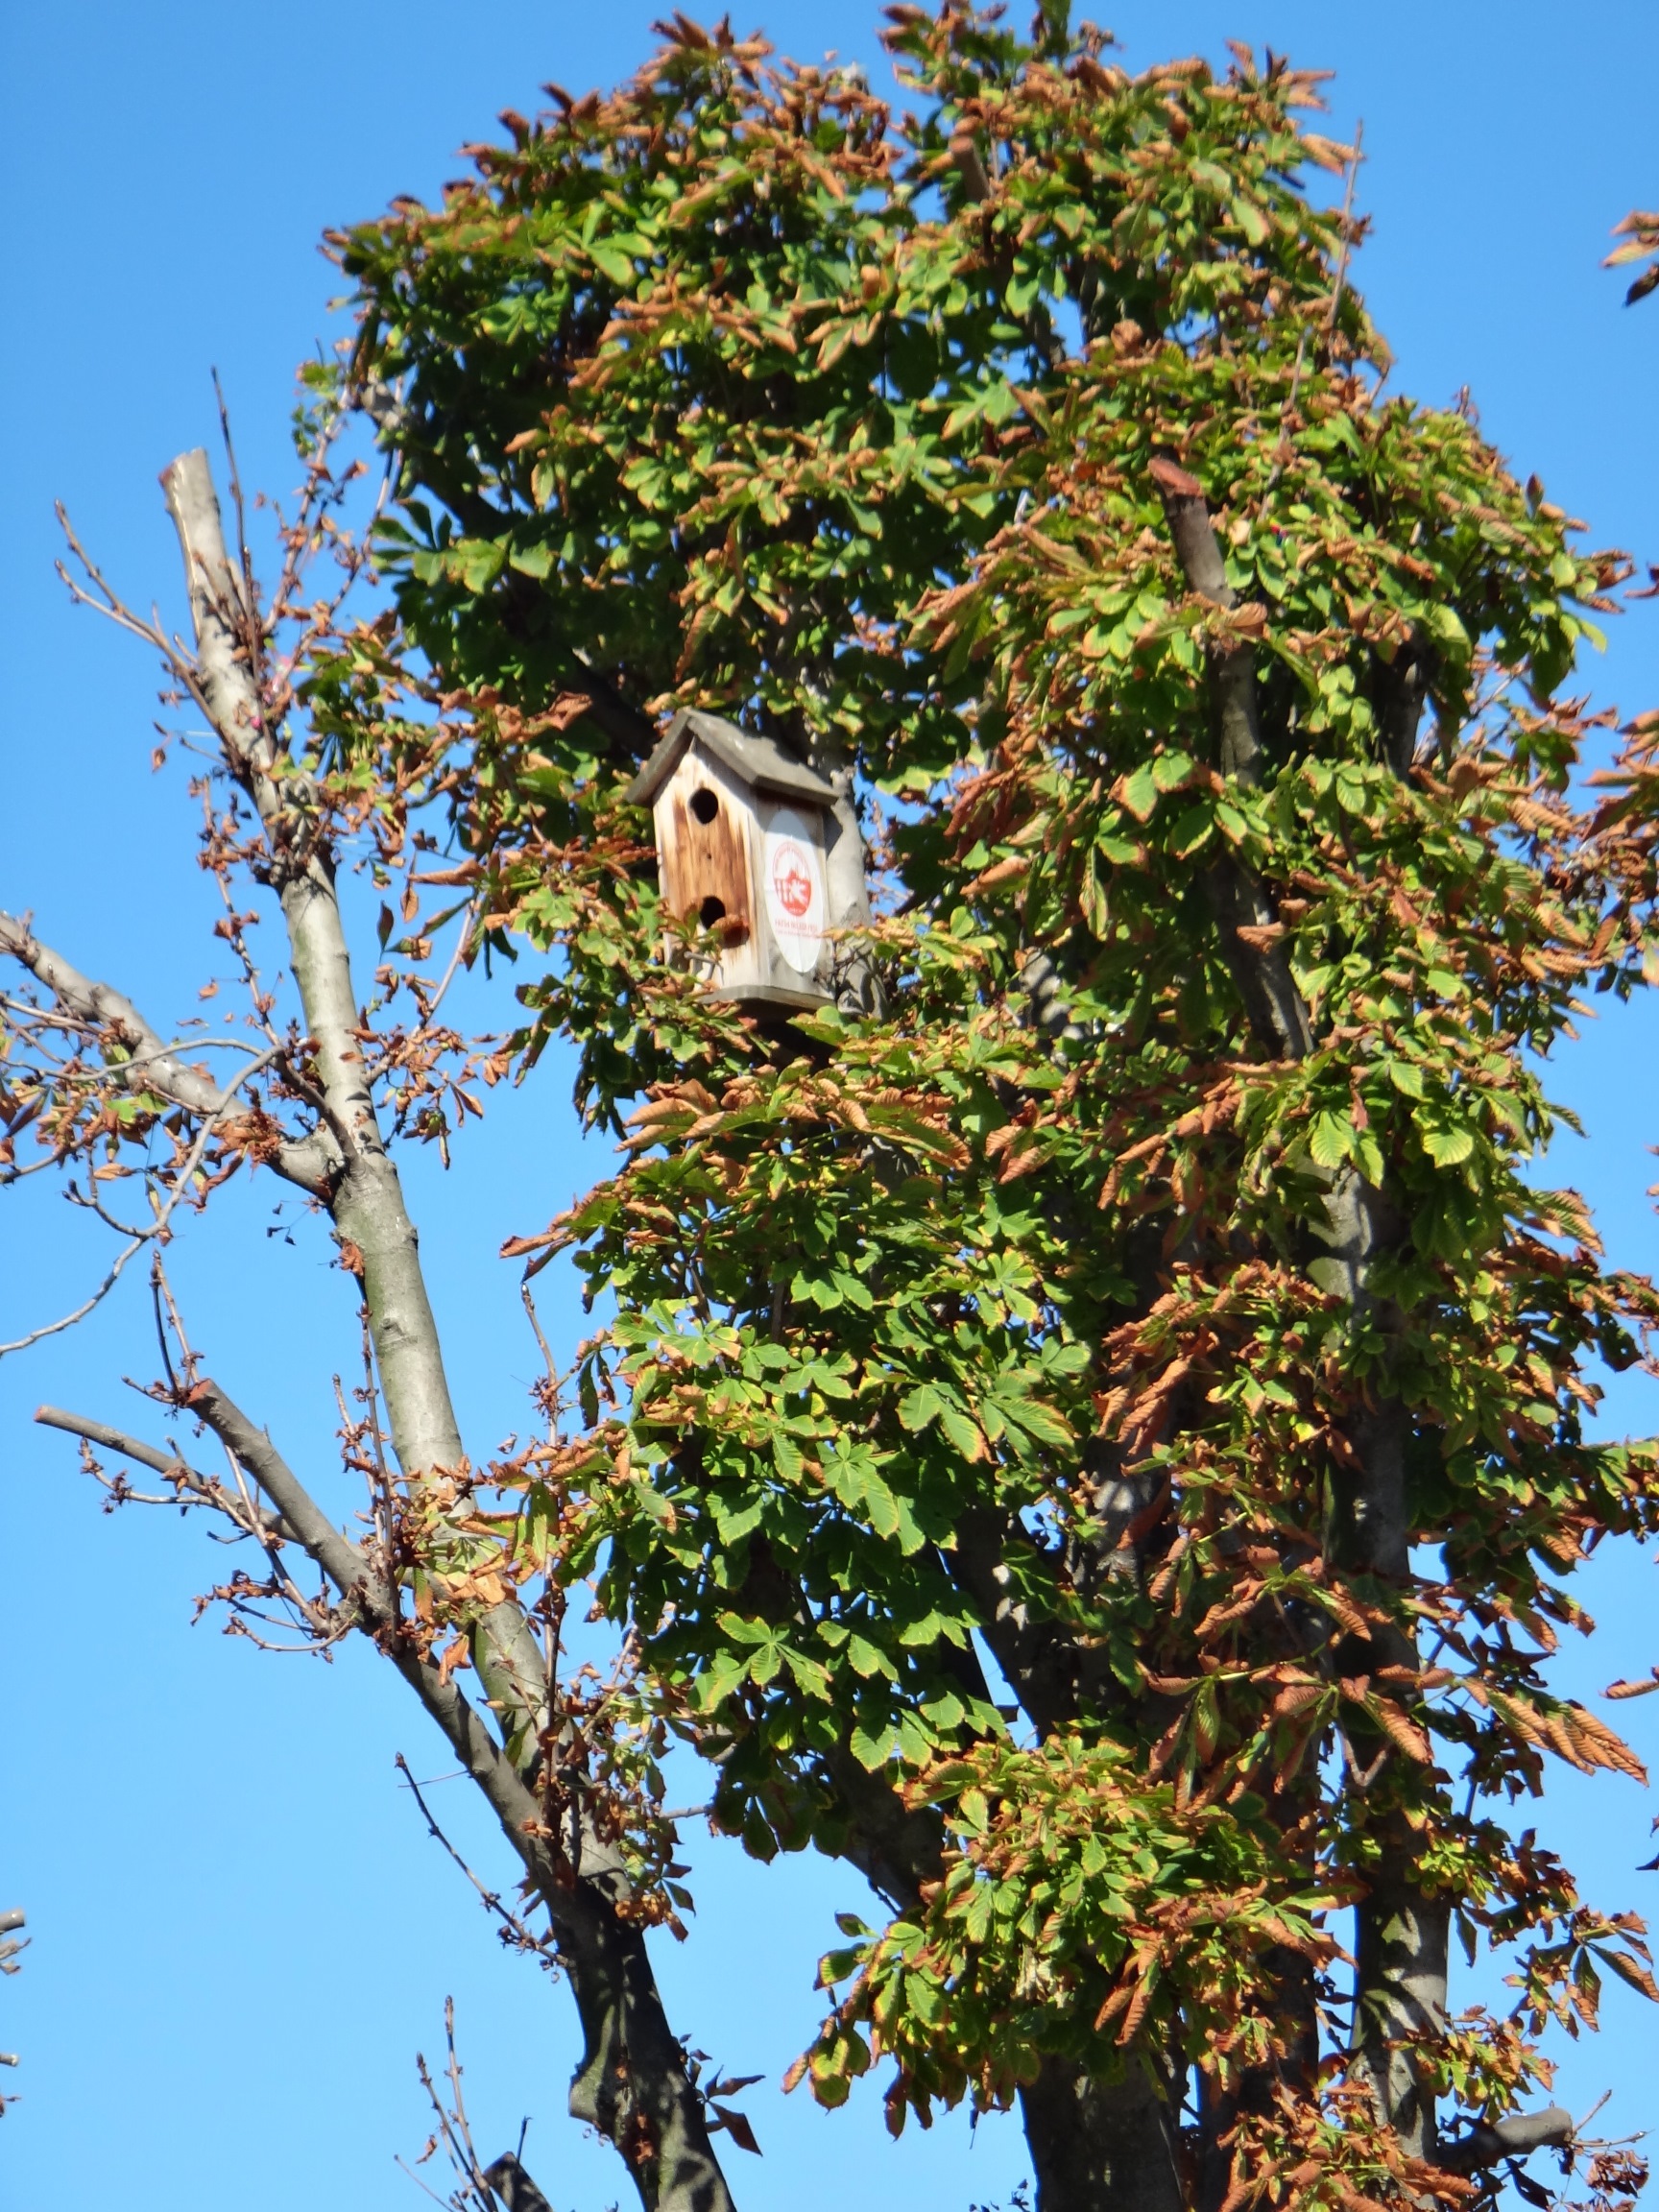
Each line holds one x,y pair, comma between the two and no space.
702,846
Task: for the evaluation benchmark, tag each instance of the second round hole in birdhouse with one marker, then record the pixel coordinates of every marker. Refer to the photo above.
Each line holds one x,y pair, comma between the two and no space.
711,910
705,806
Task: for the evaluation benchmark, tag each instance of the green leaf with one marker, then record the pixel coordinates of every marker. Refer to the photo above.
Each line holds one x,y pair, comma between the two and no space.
613,263
1446,628
873,1748
881,1506
963,1433
1406,1077
1447,1145
1138,793
533,560
921,1407
477,562
1329,1138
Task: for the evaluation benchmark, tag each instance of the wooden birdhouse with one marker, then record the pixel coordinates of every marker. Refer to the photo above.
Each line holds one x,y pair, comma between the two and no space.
740,847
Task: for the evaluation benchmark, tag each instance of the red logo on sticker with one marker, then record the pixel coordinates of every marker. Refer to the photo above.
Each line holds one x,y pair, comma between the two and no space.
791,880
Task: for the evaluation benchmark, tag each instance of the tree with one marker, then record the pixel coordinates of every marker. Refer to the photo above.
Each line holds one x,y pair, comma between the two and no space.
1135,1268
10,1922
1639,233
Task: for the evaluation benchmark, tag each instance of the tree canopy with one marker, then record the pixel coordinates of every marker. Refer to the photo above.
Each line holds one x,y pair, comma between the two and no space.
1092,1426
1156,1274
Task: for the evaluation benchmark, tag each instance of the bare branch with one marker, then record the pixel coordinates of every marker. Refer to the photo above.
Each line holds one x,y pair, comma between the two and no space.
154,1066
1358,155
108,1009
355,1577
1494,2140
114,1440
105,600
969,165
68,1320
252,1520
515,2187
367,1200
150,1231
633,2083
302,1522
468,920
454,2132
344,1563
513,1928
223,676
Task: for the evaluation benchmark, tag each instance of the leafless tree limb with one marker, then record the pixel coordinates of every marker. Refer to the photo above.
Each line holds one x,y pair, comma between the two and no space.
154,1066
190,1486
469,920
112,1276
515,2187
454,2130
1494,2140
634,2082
150,1232
513,1928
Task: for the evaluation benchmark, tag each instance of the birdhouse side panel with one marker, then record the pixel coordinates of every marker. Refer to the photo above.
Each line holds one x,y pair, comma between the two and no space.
793,901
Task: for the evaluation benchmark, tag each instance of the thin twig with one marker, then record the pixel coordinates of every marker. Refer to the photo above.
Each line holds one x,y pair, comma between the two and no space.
448,2203
249,589
514,1928
453,2129
554,1398
468,920
177,1322
1347,218
68,1320
1276,473
147,1236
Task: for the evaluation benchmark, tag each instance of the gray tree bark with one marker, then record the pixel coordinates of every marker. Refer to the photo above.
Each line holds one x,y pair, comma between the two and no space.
633,2082
1096,2145
151,1065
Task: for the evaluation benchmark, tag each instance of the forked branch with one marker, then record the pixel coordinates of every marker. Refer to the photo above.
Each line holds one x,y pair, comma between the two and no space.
633,2083
1493,2141
150,1065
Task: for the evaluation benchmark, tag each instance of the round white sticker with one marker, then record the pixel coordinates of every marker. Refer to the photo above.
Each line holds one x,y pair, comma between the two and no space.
794,870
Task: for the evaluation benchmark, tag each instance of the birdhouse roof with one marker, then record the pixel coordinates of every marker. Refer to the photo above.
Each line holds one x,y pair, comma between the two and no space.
756,761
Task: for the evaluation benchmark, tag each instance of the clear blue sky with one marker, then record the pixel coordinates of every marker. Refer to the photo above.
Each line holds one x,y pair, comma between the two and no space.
242,1933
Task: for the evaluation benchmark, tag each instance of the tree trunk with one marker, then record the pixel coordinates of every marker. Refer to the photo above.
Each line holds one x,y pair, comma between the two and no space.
1400,1987
1401,1933
1096,2146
